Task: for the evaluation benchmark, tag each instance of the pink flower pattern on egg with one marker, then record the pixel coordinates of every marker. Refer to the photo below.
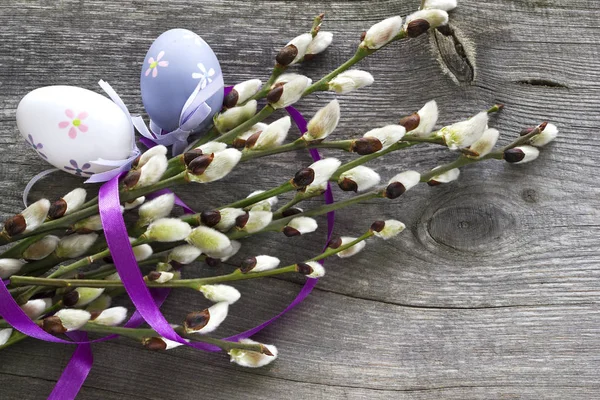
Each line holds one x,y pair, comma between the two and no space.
154,64
75,123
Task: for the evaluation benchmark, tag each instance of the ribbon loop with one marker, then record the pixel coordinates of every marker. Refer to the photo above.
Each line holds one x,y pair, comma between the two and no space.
193,113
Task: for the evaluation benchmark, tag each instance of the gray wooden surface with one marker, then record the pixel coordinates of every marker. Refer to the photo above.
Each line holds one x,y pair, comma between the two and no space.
492,291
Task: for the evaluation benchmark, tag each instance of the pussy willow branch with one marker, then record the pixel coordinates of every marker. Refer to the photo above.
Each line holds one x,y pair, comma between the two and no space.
196,283
141,333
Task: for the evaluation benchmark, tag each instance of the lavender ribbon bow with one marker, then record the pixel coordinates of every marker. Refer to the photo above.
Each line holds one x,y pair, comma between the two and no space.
193,113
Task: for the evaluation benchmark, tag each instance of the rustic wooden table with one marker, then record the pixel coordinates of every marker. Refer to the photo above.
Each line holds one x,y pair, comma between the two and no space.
492,291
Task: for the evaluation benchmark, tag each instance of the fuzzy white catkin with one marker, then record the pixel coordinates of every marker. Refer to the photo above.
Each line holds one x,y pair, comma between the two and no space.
292,91
219,292
352,250
303,224
152,171
35,214
323,170
233,117
445,5
5,334
111,316
42,248
408,179
464,133
350,80
364,177
221,165
301,43
247,89
75,245
217,314
208,240
428,116
73,319
168,230
391,229
387,135
154,209
274,134
159,150
324,122
320,42
74,199
252,359
185,254
382,32
257,220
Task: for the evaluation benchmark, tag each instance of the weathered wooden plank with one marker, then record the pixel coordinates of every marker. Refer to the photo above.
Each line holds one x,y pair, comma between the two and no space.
491,292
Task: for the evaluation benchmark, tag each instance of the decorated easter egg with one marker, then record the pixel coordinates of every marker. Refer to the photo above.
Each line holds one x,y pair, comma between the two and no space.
181,75
70,127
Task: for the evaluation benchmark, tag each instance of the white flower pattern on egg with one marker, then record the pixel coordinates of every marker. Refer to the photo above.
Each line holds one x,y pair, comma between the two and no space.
204,75
154,64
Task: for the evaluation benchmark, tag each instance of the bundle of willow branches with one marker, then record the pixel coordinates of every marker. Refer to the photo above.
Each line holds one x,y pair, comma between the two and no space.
59,266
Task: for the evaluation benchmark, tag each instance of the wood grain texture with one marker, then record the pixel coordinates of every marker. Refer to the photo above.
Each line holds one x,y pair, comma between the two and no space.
492,292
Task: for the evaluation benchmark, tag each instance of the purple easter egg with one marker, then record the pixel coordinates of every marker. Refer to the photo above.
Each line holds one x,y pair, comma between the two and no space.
179,68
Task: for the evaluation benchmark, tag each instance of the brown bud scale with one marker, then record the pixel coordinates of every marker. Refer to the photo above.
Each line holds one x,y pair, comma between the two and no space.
15,225
199,164
53,325
154,343
242,220
394,190
366,145
94,315
57,209
514,155
195,321
304,268
290,232
247,264
335,242
377,226
132,179
275,94
348,185
265,350
410,122
210,218
417,28
231,99
286,55
153,276
71,298
191,155
239,143
251,141
304,177
434,183
290,211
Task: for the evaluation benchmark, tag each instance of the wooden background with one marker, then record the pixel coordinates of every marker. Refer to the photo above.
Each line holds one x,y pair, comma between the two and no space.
491,292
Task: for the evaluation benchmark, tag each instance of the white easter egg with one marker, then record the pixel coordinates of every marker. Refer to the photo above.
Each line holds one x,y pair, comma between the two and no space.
70,127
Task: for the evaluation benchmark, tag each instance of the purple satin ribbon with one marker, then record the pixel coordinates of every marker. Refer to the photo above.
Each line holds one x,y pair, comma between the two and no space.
147,301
